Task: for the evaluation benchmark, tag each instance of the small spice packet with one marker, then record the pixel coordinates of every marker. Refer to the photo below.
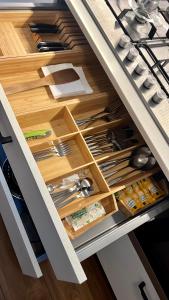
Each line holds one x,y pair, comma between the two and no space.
86,215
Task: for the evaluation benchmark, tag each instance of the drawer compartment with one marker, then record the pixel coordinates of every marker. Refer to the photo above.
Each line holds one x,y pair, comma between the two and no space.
58,121
16,37
36,110
90,114
99,191
56,165
108,206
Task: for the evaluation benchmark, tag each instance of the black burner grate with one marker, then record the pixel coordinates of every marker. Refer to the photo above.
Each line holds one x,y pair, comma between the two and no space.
146,44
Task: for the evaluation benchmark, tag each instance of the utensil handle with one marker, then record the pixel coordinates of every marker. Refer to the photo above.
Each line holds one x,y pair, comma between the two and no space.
114,172
110,174
112,165
116,180
43,154
60,193
63,195
91,120
63,203
20,87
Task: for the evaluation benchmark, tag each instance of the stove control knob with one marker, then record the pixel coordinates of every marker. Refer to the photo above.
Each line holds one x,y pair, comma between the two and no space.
132,54
159,96
124,41
149,82
140,68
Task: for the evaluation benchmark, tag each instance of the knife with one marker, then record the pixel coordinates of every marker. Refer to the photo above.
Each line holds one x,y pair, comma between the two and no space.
43,28
51,44
47,49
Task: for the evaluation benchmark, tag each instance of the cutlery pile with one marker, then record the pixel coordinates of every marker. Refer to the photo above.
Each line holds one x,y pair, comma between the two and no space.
111,140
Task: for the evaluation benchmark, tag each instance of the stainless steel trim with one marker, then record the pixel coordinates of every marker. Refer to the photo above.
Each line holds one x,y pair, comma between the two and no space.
112,234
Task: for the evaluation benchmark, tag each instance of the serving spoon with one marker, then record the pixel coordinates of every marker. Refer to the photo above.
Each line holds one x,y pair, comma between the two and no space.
138,162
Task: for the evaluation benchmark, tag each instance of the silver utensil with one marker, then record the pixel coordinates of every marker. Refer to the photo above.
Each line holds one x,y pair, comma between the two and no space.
98,144
79,186
110,140
105,166
60,149
52,187
57,196
111,111
82,194
114,181
114,172
138,162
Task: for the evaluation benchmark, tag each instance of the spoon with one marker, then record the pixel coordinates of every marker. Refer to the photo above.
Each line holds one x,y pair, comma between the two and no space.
143,150
105,166
80,185
52,187
138,162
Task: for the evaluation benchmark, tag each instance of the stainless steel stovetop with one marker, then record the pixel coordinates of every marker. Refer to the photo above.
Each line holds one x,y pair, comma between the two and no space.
142,48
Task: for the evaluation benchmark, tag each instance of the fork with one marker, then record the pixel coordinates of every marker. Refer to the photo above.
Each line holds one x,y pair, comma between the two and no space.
60,149
113,110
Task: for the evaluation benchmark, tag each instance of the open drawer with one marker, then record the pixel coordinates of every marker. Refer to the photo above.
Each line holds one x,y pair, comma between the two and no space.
37,109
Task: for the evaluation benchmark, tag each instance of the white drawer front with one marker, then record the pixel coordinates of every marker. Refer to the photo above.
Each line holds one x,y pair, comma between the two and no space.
126,273
16,231
113,229
54,238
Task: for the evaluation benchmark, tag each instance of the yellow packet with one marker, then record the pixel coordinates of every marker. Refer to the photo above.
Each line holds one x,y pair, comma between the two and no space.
143,197
149,196
128,202
155,191
130,192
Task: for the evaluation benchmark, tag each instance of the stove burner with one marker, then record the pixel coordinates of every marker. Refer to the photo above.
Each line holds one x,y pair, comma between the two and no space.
144,9
147,45
147,68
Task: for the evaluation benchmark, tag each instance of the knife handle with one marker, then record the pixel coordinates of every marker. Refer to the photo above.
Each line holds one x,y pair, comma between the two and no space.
51,44
42,25
43,30
48,49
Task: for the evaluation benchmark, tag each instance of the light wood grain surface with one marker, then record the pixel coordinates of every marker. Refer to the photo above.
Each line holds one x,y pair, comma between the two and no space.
36,108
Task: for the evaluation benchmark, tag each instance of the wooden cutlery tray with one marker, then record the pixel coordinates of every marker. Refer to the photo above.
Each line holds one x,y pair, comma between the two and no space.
17,39
37,109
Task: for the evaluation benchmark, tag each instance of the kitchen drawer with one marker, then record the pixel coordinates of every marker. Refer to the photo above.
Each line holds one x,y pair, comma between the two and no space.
36,108
128,276
113,229
17,39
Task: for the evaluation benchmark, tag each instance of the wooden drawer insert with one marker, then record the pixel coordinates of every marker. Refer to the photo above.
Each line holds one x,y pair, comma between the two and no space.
36,109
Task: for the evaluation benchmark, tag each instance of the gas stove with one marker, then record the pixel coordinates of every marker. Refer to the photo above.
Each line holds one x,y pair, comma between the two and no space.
142,48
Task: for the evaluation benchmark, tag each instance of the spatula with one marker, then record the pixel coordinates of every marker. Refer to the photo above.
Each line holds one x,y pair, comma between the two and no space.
59,77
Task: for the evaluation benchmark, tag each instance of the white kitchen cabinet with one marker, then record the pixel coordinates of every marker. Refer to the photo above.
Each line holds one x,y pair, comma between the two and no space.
127,274
65,255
